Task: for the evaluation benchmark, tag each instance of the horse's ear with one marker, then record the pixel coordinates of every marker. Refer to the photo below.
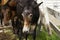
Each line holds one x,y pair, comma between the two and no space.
3,2
38,5
12,3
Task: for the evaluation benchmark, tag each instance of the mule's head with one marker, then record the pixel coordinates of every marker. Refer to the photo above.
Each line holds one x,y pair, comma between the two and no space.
27,17
28,14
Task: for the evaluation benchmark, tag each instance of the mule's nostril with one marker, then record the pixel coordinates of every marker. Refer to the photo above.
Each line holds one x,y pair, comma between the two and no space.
26,32
25,29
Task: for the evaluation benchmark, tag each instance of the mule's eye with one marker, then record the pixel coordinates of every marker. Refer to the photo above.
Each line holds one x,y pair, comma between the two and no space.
28,13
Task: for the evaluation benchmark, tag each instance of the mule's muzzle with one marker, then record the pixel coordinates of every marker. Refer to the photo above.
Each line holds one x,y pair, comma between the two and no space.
26,32
25,29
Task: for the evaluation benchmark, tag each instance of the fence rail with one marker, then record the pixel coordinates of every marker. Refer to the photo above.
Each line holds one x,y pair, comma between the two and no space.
55,28
5,27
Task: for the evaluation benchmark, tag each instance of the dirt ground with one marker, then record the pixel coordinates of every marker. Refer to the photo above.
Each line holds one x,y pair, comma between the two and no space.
8,35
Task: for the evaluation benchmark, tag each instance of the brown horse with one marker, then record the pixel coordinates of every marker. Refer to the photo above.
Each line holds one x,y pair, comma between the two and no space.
6,16
8,10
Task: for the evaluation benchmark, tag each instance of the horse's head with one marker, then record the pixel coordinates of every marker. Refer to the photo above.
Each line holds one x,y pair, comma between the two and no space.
12,3
28,14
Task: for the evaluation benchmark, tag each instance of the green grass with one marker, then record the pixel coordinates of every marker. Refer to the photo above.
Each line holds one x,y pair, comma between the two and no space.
43,35
59,26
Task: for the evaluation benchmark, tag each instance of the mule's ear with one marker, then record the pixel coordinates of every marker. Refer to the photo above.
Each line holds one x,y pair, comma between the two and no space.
38,5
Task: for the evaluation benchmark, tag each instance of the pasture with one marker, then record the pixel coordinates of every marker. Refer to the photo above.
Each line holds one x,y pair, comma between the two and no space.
59,26
7,34
42,35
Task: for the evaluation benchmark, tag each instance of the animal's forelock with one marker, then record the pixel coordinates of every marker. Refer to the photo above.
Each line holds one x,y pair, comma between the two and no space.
26,10
25,2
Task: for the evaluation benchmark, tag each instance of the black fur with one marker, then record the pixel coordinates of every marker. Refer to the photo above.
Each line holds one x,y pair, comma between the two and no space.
35,12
